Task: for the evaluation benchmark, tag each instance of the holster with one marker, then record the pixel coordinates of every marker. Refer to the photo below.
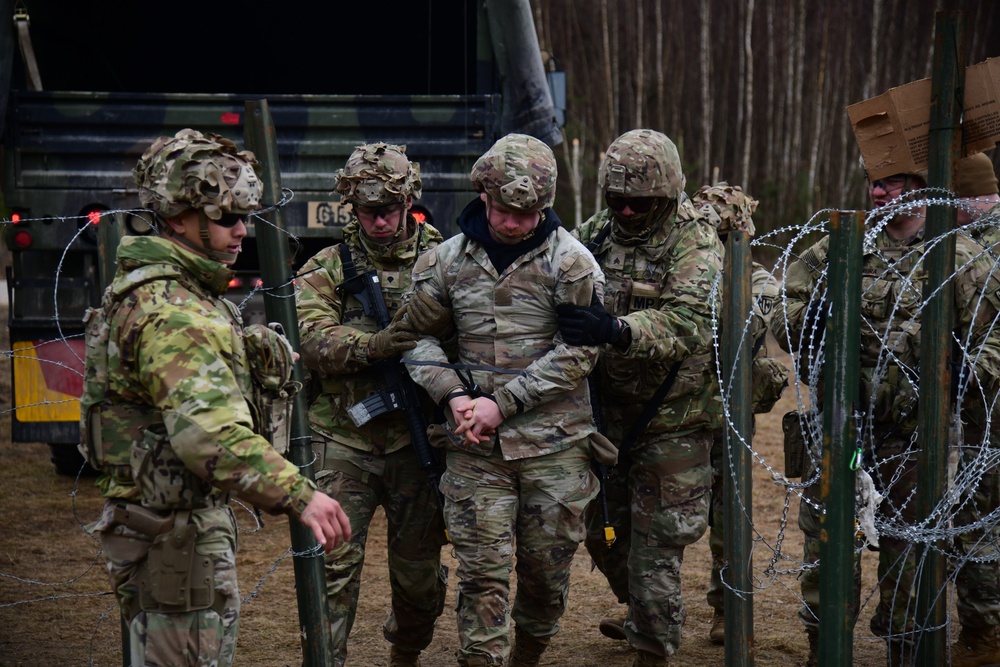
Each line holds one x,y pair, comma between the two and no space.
175,578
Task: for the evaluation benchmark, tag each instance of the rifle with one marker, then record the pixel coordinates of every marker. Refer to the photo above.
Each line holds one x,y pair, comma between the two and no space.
400,392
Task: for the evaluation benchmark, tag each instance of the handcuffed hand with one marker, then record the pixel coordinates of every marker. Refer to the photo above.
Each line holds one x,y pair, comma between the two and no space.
396,338
588,325
428,317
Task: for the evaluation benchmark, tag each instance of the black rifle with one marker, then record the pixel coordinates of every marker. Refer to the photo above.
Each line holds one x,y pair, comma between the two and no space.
400,392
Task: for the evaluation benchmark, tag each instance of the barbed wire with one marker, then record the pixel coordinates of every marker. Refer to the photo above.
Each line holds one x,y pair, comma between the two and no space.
955,516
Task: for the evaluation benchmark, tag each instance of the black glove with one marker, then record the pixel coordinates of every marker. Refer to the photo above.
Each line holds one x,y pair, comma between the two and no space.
588,325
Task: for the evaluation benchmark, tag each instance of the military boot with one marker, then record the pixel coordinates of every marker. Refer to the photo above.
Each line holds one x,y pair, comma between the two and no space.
527,649
613,627
976,648
398,658
717,633
812,660
647,659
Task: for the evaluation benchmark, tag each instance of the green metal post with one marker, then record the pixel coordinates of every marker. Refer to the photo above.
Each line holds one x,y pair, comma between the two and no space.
840,438
109,235
947,91
737,469
279,306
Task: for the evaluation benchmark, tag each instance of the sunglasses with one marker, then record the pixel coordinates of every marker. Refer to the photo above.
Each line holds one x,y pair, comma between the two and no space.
384,212
637,204
229,220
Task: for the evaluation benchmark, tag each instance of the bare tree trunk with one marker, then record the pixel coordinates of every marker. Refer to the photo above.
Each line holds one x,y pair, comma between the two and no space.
661,118
871,81
819,115
706,90
748,86
739,27
769,160
609,80
640,72
572,159
616,89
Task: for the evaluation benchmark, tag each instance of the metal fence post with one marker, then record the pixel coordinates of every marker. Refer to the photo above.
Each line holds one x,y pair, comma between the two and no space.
279,306
840,439
737,468
947,91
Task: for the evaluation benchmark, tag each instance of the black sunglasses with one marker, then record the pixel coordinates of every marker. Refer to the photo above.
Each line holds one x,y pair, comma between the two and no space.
229,220
637,204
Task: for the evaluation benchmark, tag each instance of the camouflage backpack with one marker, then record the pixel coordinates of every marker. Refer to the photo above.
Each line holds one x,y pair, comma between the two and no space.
108,430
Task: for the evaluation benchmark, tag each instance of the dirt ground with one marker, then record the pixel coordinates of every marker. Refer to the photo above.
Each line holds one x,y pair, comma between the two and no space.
55,608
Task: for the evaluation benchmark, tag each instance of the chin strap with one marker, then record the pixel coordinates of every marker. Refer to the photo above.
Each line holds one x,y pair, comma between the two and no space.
206,247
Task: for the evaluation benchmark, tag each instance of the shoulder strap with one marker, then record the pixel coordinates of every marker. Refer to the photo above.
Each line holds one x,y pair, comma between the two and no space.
347,261
649,410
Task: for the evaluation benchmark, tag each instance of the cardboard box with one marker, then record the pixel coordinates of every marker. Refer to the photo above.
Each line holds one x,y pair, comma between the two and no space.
892,130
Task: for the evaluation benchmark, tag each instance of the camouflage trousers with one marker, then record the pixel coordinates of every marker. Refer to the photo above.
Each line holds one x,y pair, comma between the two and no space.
493,505
658,501
362,482
978,575
204,638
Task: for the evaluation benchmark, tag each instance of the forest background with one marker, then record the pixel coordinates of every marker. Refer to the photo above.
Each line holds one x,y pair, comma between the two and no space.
752,92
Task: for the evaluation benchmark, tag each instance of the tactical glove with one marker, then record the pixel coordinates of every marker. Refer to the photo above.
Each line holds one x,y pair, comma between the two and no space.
588,325
396,338
428,317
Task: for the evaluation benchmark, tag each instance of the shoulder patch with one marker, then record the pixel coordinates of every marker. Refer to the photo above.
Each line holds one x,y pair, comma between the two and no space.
425,261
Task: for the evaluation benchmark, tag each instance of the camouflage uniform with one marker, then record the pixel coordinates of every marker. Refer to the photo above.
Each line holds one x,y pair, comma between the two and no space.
977,580
525,487
892,295
660,280
372,465
178,375
166,415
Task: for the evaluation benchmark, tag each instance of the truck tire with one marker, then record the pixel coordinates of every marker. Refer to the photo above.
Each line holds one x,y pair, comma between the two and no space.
69,462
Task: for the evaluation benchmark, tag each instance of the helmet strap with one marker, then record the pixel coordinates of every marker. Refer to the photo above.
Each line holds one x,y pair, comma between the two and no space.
206,247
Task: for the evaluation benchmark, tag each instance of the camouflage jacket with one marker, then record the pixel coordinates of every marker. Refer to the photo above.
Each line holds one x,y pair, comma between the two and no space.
508,320
334,334
663,289
893,276
176,350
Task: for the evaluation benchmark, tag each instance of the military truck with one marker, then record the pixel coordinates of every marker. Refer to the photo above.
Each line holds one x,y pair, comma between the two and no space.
92,83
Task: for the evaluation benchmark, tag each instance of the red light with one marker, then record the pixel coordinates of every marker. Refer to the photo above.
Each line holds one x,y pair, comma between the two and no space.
230,118
259,283
94,217
419,216
22,239
15,218
235,282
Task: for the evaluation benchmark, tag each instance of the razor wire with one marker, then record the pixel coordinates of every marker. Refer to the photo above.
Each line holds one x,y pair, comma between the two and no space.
770,563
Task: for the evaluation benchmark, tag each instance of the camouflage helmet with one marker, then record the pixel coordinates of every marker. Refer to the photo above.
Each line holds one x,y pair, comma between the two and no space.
642,163
192,170
518,171
726,206
378,174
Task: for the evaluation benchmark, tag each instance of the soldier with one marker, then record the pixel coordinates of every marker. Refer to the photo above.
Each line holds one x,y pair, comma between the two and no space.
373,464
657,382
892,283
978,577
729,208
518,453
166,415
